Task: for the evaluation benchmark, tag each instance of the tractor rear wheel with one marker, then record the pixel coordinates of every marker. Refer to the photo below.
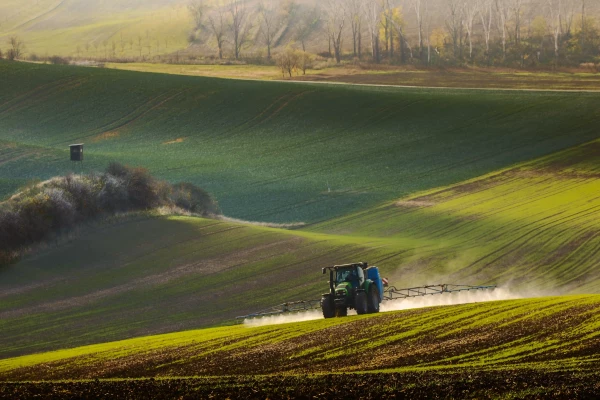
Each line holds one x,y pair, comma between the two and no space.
361,303
373,300
327,306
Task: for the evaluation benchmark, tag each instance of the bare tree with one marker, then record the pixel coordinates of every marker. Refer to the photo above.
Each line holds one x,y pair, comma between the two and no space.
140,44
17,47
516,8
308,22
218,26
240,25
554,9
196,9
270,24
454,24
396,25
386,25
373,12
486,14
336,20
427,19
470,9
582,26
417,6
355,15
502,11
149,46
569,14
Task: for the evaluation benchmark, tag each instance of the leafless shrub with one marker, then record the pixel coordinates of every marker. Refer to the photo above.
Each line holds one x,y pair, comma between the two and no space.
53,206
194,199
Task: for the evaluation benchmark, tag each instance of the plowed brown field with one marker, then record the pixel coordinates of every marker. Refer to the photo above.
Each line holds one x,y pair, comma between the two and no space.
414,385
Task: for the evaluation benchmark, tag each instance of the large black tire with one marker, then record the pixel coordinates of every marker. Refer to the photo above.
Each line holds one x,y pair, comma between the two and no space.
373,300
361,303
328,306
341,312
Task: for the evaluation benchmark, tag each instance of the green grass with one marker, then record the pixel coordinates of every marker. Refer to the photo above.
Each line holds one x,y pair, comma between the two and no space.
532,229
54,27
159,274
268,150
556,333
279,152
538,222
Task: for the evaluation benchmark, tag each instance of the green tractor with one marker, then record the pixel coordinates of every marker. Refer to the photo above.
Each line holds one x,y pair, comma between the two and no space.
352,286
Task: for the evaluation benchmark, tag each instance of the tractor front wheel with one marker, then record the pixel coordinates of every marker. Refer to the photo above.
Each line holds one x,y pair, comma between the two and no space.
327,306
361,303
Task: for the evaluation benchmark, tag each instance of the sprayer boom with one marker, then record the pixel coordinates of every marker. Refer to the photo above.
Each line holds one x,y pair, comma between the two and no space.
398,294
285,308
391,293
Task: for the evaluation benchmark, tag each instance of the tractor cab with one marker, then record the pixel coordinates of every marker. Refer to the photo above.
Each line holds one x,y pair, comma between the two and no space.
353,275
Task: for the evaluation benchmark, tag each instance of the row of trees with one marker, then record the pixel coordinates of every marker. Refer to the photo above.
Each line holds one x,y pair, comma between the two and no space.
484,32
415,31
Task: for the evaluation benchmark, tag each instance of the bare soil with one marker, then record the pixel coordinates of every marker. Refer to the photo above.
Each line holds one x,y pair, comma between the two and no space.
465,384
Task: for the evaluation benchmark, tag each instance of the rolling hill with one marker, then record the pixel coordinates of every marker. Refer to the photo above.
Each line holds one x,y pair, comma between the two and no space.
549,334
88,29
273,151
535,225
453,186
532,229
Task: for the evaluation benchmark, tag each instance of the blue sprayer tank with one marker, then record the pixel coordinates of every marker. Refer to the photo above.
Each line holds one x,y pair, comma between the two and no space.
373,274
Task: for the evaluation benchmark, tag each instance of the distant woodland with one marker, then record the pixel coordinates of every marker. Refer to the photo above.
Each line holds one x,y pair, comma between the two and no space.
426,32
300,34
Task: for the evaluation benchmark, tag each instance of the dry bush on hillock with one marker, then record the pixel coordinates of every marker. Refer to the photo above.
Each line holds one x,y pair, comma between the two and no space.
56,205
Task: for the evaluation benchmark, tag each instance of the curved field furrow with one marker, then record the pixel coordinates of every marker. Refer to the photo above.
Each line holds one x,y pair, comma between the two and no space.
509,334
538,222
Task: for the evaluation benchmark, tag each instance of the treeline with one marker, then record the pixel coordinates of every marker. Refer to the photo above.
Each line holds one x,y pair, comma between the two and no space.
425,32
56,206
512,33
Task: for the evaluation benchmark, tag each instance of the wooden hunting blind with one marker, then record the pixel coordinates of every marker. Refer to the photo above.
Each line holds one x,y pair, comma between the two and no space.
76,152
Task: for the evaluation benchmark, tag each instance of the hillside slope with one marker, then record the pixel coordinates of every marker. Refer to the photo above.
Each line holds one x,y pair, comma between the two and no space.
87,29
535,225
148,274
277,152
558,333
532,229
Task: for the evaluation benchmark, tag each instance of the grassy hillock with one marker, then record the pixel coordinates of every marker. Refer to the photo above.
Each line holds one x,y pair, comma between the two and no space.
272,151
549,334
